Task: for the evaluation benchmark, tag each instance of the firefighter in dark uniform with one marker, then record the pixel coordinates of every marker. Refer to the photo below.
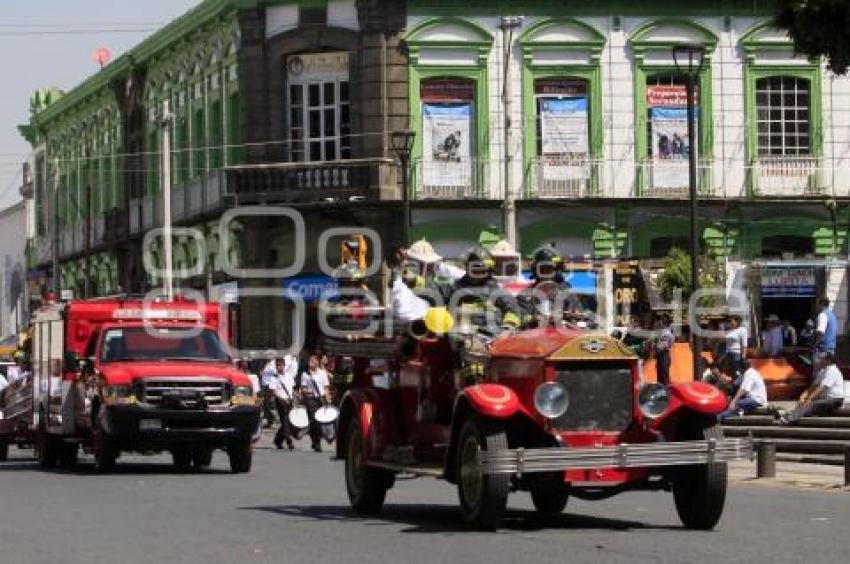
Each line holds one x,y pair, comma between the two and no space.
479,295
548,289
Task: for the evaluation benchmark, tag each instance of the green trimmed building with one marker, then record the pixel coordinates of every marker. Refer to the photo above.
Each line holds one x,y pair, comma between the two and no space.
568,113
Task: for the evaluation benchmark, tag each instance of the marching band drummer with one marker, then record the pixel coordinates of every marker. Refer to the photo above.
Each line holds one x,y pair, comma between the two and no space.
312,386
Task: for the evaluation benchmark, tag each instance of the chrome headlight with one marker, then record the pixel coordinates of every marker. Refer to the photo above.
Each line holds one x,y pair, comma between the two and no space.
653,399
551,399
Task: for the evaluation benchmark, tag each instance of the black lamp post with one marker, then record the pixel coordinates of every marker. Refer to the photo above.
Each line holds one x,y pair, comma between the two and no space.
402,145
689,58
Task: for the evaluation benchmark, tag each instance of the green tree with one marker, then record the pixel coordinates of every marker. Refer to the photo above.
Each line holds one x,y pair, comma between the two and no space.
819,28
676,274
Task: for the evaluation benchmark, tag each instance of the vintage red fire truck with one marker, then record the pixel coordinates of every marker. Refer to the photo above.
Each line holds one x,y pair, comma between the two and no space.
552,411
138,375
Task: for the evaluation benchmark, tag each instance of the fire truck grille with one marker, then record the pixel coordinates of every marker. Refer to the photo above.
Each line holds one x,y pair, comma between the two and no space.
601,396
184,393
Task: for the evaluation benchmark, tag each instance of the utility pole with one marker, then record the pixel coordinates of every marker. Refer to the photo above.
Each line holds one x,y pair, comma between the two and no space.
165,184
87,281
508,24
54,228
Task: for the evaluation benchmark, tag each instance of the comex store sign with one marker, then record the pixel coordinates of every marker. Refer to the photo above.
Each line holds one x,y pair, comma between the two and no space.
310,288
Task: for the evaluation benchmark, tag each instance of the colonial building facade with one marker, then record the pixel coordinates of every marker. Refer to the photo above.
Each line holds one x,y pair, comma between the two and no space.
556,121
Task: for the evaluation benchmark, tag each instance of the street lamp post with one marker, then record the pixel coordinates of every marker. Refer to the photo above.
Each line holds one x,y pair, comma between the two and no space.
402,145
689,58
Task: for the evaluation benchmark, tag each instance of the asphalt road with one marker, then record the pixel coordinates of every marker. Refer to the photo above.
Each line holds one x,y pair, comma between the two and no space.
293,509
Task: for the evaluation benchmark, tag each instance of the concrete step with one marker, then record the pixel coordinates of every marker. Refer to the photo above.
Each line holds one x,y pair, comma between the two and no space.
789,432
788,406
825,459
768,420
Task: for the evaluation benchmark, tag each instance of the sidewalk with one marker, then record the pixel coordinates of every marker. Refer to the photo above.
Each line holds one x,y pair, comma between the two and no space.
791,475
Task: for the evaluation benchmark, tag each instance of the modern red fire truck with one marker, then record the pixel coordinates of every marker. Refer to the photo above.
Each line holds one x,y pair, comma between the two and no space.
138,375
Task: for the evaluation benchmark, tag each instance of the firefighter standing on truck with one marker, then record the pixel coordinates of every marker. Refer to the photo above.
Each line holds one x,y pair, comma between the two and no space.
480,297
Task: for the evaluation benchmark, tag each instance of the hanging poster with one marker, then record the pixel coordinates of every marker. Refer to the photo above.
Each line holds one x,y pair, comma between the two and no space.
670,149
563,127
446,154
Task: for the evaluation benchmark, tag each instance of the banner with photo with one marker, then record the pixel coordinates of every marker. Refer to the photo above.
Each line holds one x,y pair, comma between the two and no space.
670,148
446,128
563,132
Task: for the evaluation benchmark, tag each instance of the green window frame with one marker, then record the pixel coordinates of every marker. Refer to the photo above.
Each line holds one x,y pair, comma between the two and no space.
589,73
199,140
476,73
216,137
152,159
642,42
234,128
755,70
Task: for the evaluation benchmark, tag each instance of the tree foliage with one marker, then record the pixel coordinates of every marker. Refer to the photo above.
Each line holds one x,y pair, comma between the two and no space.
676,275
819,28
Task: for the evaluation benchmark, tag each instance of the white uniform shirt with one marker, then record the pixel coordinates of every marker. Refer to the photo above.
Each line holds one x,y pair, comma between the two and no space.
268,374
3,383
833,382
407,306
736,340
752,383
315,382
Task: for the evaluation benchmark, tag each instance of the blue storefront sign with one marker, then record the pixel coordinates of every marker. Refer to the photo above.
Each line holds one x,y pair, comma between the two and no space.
788,282
310,288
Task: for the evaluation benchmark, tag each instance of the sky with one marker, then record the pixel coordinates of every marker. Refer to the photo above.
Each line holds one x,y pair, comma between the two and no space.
51,43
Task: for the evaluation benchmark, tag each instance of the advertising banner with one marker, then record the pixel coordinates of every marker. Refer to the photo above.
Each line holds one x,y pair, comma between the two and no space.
563,131
446,144
310,288
788,282
670,149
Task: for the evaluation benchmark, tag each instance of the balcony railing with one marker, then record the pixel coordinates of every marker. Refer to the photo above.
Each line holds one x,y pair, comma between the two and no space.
564,178
455,180
786,176
311,182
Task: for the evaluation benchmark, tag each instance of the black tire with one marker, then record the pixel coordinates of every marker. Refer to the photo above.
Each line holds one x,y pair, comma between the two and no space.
366,486
483,497
105,450
549,495
68,453
202,459
700,490
47,447
182,460
4,452
241,456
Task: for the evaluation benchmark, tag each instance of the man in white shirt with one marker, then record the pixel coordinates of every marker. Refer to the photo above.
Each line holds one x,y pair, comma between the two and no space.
429,269
312,386
825,394
736,345
282,389
750,394
267,377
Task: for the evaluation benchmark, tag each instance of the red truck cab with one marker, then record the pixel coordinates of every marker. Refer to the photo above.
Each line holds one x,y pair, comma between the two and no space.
145,376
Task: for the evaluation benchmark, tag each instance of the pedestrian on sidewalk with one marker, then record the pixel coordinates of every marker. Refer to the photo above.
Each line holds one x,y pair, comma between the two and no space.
750,393
824,395
736,346
312,386
826,330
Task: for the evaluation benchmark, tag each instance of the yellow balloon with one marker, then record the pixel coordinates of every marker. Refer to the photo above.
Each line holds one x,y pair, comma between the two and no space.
438,320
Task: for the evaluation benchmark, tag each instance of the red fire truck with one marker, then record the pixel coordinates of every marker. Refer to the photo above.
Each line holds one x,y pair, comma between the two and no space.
138,375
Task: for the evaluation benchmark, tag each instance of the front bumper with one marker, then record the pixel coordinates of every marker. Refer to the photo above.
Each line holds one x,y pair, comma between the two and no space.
210,428
651,455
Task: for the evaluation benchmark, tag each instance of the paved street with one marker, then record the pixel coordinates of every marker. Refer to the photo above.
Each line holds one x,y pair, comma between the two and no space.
293,508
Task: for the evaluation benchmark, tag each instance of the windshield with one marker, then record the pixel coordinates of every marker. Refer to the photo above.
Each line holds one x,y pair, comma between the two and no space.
161,343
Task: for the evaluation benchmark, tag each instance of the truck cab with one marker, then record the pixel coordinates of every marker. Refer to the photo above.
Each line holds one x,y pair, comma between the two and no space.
144,376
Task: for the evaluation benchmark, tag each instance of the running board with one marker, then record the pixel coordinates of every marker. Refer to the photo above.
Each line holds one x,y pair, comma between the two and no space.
431,472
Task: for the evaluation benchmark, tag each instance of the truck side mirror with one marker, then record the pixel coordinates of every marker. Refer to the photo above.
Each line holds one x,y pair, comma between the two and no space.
72,361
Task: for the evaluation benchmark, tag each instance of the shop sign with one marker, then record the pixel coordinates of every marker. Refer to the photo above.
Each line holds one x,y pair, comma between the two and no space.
788,282
310,288
671,96
317,65
629,292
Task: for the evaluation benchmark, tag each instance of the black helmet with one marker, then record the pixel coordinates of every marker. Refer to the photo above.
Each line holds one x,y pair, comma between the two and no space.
478,261
545,262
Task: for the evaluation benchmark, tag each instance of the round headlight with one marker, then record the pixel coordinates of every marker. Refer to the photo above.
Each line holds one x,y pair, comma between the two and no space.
551,399
653,400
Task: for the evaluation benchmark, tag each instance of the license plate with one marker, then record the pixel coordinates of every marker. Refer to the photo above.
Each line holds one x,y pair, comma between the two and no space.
150,425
